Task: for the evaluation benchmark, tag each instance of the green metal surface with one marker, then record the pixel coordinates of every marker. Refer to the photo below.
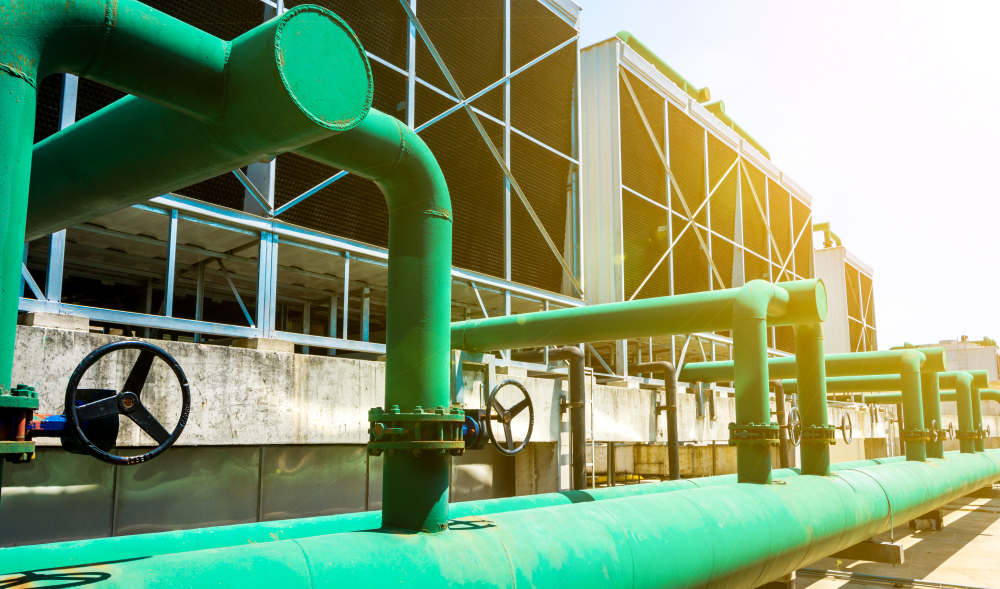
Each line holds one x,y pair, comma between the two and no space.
747,311
810,365
931,399
829,237
699,94
856,385
415,488
718,108
616,543
195,112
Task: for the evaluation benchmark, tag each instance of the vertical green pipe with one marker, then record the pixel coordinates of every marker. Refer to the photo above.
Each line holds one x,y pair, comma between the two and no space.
977,418
810,366
17,126
380,148
931,393
909,373
966,423
753,460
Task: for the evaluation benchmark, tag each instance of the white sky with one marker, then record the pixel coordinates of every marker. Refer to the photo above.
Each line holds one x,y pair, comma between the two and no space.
883,111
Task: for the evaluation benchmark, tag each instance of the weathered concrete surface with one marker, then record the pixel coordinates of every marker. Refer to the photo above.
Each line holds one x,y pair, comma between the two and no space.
55,321
963,553
268,344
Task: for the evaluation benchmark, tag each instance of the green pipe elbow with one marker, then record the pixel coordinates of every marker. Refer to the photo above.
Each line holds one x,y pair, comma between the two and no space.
119,43
699,94
306,69
829,237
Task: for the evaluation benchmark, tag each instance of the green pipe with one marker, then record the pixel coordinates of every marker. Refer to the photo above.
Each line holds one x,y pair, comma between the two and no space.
851,364
884,383
963,395
718,108
805,302
268,91
977,418
810,365
913,411
82,552
119,43
930,393
699,94
617,543
415,487
747,311
829,237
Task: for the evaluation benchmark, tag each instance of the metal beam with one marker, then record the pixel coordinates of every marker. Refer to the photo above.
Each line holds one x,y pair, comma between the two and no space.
171,265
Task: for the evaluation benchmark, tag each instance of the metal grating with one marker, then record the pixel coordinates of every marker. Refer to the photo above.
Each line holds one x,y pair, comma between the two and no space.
754,227
92,96
723,202
691,268
785,336
49,101
723,253
687,161
856,333
543,177
642,169
469,38
755,268
644,245
534,30
853,302
541,97
803,251
780,214
226,19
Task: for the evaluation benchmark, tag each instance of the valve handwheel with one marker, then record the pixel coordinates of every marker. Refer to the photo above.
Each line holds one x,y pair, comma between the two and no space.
794,426
935,436
846,428
505,416
951,430
127,402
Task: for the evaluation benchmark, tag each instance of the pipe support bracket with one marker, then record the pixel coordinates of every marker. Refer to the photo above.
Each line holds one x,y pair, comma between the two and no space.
819,434
753,434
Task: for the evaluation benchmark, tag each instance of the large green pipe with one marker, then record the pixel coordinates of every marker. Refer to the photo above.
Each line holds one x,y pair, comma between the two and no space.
415,487
699,94
617,543
810,366
856,385
119,43
747,311
200,107
930,394
829,237
82,552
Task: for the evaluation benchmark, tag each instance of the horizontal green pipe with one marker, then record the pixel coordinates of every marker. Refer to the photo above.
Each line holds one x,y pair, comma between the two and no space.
718,108
79,552
699,94
737,536
291,81
853,364
119,43
829,237
884,382
680,314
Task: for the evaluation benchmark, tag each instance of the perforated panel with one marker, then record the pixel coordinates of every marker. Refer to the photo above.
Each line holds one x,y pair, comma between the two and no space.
780,215
541,98
785,336
804,248
644,245
642,169
853,296
723,201
754,228
755,268
49,99
722,255
690,262
687,161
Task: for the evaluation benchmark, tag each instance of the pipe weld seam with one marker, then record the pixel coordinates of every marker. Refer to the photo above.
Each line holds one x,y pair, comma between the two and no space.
18,73
107,27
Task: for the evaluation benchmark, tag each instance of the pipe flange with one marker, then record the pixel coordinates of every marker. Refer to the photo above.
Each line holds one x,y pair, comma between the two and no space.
966,435
916,435
438,430
753,434
819,434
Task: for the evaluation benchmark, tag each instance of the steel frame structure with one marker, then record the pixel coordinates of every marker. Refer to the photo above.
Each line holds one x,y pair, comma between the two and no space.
269,232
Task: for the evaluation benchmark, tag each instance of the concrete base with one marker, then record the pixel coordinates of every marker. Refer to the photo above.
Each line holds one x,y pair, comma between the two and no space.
870,551
786,582
265,344
935,518
54,321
